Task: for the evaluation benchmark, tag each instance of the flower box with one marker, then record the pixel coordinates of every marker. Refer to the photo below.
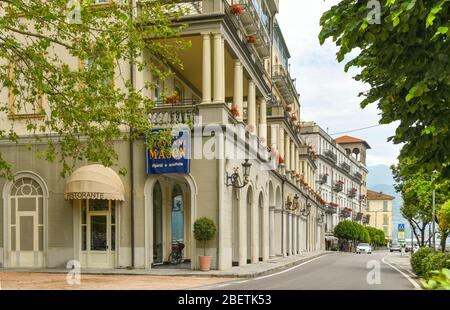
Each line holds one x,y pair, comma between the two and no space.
173,99
251,39
289,108
236,9
235,110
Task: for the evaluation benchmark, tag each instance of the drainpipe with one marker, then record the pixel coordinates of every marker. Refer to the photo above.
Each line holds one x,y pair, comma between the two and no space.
131,146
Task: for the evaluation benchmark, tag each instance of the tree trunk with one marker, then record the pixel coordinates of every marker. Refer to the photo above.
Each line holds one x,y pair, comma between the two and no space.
444,236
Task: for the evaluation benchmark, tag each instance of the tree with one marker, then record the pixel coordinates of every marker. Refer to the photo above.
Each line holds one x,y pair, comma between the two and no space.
204,230
444,224
83,108
417,193
351,232
377,237
402,53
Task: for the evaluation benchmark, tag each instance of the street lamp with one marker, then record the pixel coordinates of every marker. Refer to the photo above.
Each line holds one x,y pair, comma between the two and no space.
292,204
321,219
234,179
306,211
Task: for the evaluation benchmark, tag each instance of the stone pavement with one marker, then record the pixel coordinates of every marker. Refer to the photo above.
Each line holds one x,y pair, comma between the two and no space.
248,271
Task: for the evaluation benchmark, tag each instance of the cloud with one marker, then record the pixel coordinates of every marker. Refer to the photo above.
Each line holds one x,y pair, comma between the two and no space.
329,96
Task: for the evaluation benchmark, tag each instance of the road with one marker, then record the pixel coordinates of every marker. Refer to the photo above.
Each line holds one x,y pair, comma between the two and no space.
338,271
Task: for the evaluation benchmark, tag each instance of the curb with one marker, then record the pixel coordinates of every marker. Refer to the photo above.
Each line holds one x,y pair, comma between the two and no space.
118,272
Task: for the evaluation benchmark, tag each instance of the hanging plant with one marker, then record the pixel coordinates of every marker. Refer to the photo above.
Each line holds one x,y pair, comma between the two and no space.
289,108
251,39
236,9
281,160
294,117
298,126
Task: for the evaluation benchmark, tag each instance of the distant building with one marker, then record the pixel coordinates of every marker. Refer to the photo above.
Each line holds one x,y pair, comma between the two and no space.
379,207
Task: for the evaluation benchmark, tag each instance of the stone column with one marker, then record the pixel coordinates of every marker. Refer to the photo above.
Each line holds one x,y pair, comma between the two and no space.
290,234
285,232
219,69
287,151
281,146
251,107
294,233
206,69
239,88
263,121
272,232
292,168
299,234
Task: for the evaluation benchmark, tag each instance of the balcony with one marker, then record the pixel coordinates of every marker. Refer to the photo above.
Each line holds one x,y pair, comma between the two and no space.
346,213
330,155
358,217
331,209
352,193
358,176
323,179
345,166
284,83
366,219
169,113
338,187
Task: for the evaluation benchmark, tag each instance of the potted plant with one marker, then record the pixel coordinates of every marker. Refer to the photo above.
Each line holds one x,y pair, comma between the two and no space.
236,9
235,110
204,231
289,108
251,38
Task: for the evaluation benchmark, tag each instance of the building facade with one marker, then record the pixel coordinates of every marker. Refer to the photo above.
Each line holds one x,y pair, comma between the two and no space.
380,211
340,175
237,102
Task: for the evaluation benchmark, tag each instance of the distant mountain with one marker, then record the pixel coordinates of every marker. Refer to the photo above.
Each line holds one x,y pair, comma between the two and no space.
380,179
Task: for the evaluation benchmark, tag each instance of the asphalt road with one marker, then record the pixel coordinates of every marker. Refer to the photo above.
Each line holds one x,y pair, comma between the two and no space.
338,271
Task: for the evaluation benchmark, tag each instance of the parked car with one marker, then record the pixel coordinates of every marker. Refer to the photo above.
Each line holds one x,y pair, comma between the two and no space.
363,248
395,247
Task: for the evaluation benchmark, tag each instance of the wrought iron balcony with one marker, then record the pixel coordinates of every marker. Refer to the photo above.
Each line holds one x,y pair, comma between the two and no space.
331,209
338,187
323,179
345,213
352,193
345,166
284,83
172,112
358,176
366,219
331,155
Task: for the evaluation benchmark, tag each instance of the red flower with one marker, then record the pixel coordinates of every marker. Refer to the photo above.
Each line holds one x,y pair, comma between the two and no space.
289,108
235,110
281,160
251,39
236,9
294,117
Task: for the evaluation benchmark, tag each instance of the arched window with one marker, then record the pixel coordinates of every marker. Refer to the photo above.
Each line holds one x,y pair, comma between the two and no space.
177,214
26,214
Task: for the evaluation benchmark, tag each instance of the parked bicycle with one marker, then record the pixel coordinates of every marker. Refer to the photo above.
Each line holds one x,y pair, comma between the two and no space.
176,256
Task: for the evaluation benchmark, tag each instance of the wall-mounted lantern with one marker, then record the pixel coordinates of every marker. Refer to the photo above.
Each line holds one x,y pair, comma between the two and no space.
235,179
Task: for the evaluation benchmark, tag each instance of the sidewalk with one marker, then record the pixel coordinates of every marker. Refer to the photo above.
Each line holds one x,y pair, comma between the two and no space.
403,263
248,271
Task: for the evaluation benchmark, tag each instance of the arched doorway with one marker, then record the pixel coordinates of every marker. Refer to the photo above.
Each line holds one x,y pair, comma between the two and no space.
158,226
177,219
261,229
25,216
249,224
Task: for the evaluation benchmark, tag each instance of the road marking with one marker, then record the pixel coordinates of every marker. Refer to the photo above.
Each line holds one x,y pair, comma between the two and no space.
287,270
414,283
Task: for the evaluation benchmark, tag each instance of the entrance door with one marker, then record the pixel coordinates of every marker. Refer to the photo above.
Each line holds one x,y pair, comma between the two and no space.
100,244
98,233
26,224
177,216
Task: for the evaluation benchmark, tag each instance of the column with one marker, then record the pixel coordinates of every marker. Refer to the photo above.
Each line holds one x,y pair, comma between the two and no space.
290,234
239,88
285,234
251,107
299,234
297,160
294,233
263,121
287,152
274,138
281,146
272,232
219,69
292,168
206,69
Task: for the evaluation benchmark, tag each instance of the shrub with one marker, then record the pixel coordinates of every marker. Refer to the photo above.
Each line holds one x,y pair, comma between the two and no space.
204,230
440,280
434,262
417,258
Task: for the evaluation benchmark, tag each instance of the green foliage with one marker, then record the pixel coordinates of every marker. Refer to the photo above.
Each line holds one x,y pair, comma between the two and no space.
352,231
434,261
417,260
204,230
347,230
85,107
440,280
404,59
377,237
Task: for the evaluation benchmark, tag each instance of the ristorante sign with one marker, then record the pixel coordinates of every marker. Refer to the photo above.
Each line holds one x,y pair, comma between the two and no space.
173,157
84,195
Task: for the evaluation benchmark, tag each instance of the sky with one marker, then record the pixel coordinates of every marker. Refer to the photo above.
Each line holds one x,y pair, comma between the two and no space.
329,96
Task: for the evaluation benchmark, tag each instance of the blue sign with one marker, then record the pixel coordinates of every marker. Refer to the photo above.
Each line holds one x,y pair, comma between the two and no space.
401,227
173,157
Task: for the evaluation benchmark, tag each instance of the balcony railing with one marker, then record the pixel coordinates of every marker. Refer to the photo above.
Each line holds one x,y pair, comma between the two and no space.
345,213
331,155
366,219
323,179
352,193
284,82
358,176
173,112
345,166
338,187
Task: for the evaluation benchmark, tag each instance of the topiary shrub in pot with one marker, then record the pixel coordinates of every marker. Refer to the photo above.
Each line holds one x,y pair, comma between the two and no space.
204,231
417,260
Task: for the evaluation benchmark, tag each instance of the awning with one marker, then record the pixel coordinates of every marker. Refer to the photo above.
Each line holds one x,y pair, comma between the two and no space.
94,182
